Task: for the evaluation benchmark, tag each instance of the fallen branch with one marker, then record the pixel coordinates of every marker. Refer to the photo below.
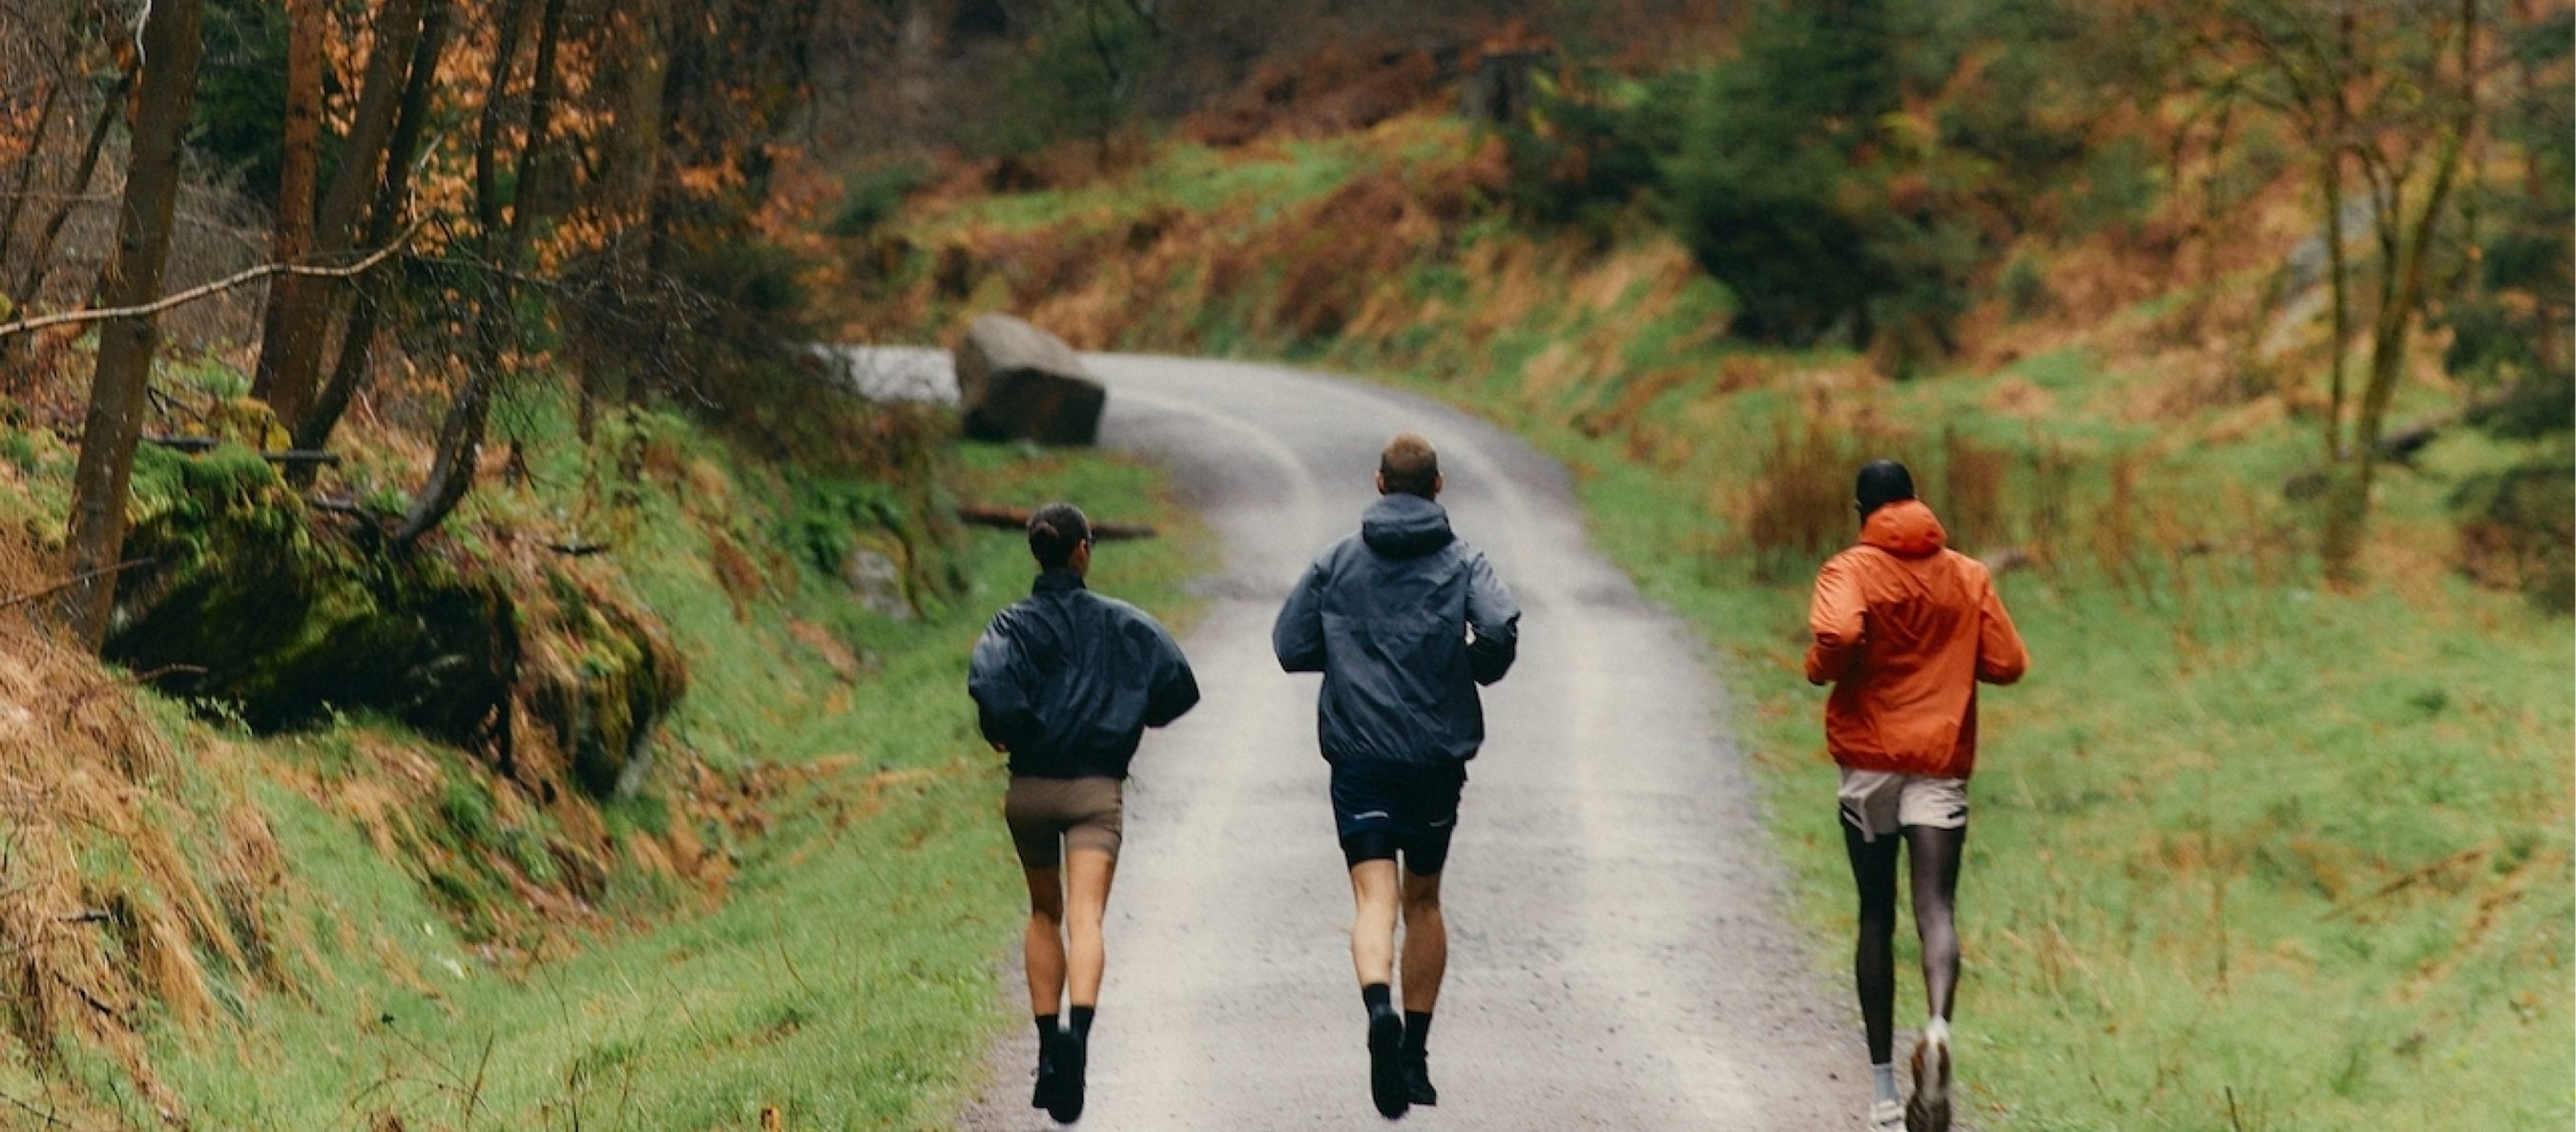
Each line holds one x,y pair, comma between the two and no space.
74,580
199,444
46,1115
94,1002
2464,857
578,549
205,290
135,680
1016,519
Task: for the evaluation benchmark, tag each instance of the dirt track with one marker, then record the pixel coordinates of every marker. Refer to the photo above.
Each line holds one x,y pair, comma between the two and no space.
1617,957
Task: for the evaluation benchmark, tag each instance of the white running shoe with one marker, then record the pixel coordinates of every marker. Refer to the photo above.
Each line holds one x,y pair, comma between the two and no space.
1886,1116
1929,1108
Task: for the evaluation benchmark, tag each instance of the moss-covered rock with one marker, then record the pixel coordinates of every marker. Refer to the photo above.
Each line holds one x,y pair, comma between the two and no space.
598,677
243,599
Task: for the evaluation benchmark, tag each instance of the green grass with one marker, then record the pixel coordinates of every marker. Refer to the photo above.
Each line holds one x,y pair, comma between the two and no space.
847,977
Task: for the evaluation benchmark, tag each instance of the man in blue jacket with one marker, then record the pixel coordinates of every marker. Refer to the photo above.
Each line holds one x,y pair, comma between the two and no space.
1066,682
1404,619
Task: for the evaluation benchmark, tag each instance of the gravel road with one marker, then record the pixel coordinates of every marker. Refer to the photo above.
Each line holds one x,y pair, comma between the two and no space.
1618,956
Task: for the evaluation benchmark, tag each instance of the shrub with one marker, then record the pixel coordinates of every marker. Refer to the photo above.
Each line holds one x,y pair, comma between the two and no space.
2518,530
872,195
1772,190
1077,78
1593,148
1800,509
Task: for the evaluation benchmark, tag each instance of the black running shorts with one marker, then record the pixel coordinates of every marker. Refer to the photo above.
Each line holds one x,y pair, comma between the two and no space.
1381,809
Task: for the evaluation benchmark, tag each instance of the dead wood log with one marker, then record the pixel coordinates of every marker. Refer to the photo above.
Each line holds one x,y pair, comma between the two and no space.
1017,519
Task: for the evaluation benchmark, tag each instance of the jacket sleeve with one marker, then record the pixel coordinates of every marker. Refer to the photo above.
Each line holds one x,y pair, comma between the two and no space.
998,676
1298,636
2001,656
1494,619
1176,688
1839,620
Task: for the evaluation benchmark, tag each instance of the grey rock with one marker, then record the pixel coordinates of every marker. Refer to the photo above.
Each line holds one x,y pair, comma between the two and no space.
1017,382
877,582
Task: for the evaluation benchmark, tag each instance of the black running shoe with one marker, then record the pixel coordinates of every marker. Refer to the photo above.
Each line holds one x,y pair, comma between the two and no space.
1417,1084
1050,1079
1386,1069
1071,1052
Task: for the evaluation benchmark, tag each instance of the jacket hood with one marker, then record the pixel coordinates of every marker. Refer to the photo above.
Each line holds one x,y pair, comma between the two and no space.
1405,526
1905,528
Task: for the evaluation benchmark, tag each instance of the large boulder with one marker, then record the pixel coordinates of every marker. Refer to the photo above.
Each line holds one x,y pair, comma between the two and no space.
1017,382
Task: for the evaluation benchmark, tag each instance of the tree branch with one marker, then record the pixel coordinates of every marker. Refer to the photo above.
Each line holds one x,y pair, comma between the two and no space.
203,290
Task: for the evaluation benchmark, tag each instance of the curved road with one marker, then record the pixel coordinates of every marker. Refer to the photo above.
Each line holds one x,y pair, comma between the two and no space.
1617,959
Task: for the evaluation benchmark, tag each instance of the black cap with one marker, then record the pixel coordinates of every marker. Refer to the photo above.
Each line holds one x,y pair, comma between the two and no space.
1881,482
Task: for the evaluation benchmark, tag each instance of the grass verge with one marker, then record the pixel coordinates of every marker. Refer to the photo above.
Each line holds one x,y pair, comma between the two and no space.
847,976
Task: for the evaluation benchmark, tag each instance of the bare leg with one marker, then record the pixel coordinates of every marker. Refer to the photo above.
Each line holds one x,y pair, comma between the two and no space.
1045,945
1373,894
1936,854
1087,873
1426,942
1873,865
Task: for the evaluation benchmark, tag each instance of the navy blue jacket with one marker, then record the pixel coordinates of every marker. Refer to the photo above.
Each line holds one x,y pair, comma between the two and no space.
1404,619
1068,680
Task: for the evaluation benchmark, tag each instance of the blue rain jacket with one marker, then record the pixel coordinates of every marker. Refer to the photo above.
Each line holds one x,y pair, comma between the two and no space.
1068,680
1404,619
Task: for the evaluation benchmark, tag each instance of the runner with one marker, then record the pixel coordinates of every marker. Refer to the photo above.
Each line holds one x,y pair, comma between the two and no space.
1905,630
1404,619
1066,682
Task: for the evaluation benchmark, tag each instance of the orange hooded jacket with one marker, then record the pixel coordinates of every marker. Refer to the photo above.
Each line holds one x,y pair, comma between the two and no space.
1905,629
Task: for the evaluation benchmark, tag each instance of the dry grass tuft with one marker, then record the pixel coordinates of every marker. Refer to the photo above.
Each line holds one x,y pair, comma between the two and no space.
119,883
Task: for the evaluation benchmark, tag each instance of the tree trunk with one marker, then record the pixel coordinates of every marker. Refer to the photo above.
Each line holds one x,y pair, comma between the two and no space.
460,435
2338,130
300,170
120,386
28,161
628,183
290,360
357,344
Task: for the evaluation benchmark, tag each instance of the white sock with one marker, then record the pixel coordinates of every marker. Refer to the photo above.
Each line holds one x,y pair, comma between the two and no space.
1937,1031
1882,1081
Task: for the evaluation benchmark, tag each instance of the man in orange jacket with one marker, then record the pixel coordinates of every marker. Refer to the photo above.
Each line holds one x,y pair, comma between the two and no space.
1905,629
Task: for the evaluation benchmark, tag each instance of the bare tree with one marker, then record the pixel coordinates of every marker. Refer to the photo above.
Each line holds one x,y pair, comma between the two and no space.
357,345
290,356
2388,92
119,388
299,169
460,434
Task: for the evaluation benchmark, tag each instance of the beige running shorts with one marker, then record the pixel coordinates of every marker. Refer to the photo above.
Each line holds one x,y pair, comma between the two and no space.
1880,802
1049,815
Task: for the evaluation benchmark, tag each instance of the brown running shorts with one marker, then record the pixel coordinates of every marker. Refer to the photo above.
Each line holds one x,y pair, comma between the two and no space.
1049,815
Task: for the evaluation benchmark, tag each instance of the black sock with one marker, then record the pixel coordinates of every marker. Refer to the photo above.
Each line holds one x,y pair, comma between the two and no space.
1377,997
1046,1027
1082,1021
1417,1033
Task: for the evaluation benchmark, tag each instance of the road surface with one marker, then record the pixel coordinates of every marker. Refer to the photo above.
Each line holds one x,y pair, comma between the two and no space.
1617,955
